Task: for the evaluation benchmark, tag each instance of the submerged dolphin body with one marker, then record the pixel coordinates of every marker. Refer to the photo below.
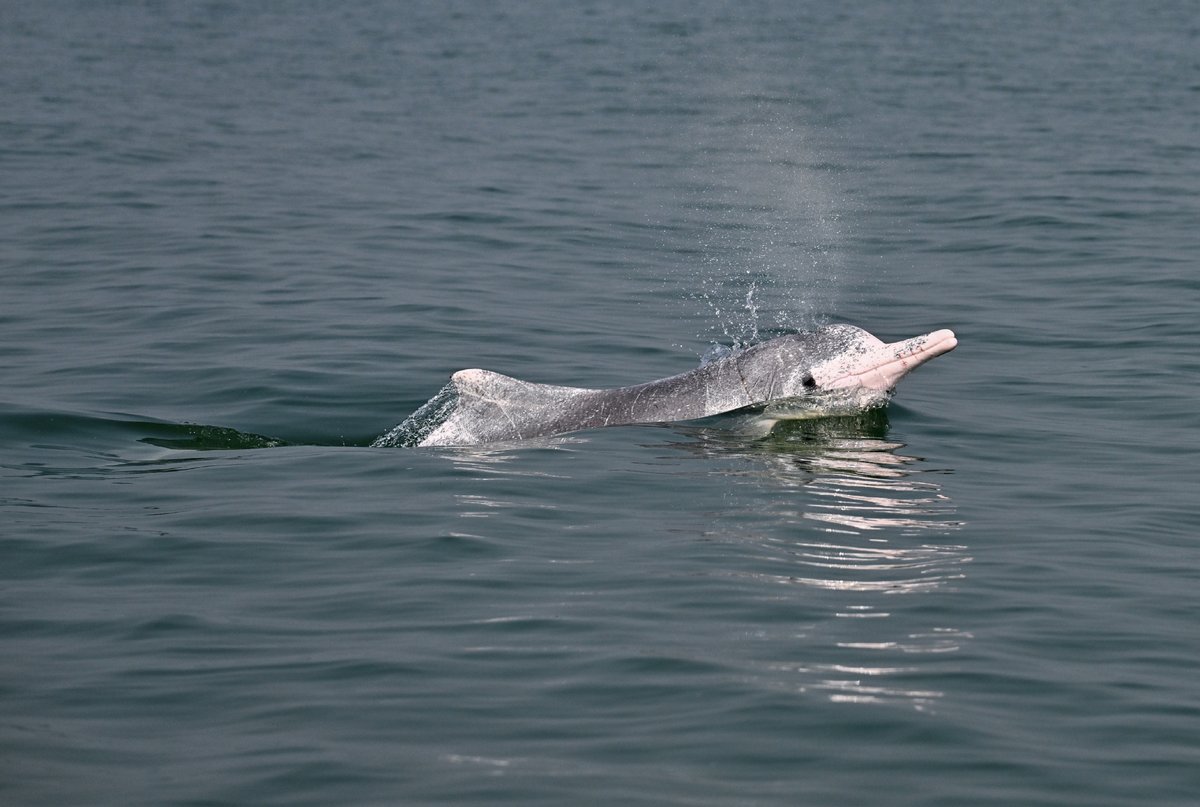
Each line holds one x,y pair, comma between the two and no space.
836,369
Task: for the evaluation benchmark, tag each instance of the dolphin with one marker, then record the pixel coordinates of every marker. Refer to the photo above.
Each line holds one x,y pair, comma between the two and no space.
835,369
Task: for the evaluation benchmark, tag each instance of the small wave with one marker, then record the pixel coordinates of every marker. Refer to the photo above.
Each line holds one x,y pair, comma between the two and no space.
208,438
854,527
108,431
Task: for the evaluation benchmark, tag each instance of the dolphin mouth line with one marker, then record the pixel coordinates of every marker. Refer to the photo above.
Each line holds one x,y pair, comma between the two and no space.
897,359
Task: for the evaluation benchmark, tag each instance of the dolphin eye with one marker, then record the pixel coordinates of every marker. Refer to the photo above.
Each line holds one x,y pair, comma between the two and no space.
808,381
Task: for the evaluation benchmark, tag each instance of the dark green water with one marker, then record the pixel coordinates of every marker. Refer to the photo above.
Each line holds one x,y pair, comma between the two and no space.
240,241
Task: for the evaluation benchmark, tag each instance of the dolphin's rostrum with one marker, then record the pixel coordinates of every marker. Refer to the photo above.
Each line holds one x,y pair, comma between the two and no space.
837,368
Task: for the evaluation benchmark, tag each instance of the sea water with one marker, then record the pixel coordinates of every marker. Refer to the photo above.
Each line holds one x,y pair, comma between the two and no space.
239,242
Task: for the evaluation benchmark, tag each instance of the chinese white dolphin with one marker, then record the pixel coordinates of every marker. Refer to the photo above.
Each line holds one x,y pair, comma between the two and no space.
832,370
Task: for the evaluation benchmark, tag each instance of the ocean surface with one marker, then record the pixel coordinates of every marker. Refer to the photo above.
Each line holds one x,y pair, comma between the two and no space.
241,241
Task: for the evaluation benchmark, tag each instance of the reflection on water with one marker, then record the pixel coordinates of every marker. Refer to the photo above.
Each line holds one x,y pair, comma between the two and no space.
497,461
841,511
842,532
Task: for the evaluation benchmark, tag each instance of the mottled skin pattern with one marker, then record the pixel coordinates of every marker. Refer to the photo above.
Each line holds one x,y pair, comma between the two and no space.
837,362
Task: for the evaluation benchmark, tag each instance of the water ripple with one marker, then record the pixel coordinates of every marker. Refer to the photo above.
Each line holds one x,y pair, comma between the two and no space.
844,514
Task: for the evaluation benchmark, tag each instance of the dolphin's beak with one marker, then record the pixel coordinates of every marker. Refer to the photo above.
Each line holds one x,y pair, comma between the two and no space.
882,368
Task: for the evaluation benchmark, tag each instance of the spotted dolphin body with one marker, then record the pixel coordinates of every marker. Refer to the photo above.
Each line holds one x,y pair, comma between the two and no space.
836,369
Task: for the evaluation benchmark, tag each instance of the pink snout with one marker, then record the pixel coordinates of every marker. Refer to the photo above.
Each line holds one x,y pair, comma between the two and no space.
881,367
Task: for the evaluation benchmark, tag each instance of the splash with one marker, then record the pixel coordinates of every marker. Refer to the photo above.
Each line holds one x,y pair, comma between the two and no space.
417,426
765,205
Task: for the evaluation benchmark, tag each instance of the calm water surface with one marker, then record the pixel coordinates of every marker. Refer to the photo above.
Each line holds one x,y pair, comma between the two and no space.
239,242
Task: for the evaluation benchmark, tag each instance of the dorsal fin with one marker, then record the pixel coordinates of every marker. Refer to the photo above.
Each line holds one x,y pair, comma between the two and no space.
497,388
483,407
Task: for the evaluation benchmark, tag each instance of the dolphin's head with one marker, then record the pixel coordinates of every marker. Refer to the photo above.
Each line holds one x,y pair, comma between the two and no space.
840,365
854,359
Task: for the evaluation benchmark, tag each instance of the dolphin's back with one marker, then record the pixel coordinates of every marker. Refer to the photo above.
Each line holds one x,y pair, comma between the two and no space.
480,406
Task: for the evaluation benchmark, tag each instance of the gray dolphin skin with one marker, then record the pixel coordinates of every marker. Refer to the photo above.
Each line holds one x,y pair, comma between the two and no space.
835,369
